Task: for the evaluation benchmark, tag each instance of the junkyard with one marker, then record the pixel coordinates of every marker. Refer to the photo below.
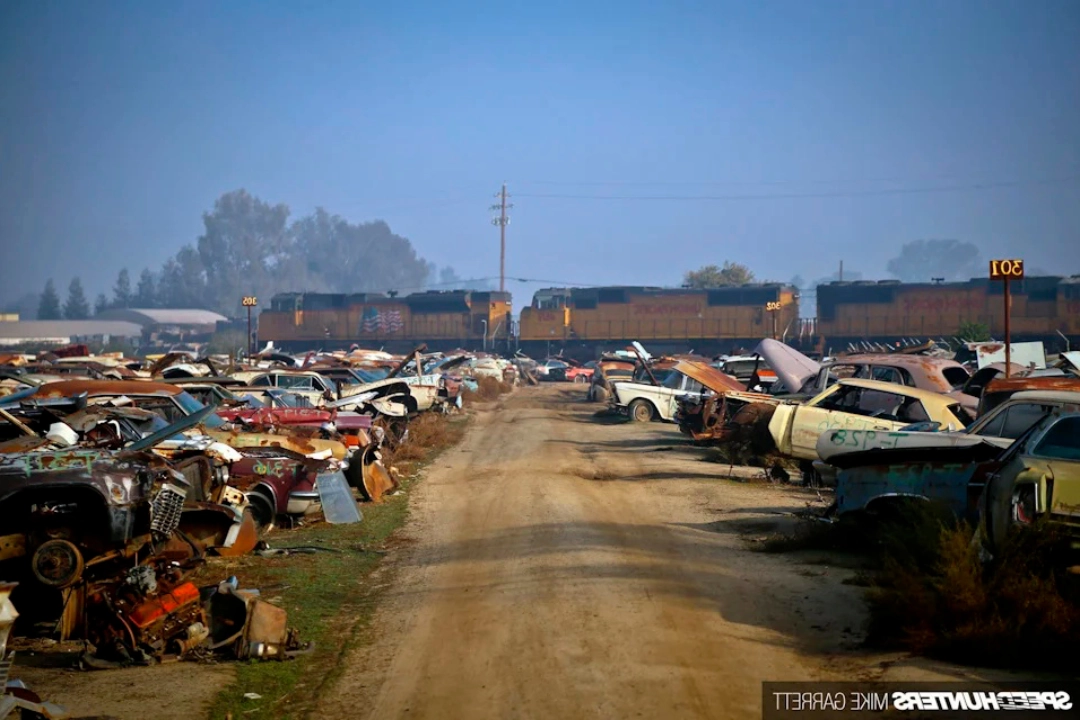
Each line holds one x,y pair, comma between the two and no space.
655,520
539,361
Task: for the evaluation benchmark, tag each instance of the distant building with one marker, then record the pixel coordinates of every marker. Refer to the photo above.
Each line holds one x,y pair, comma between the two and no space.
163,326
187,320
66,332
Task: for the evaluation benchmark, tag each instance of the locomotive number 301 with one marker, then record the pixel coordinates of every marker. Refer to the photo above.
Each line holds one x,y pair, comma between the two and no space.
1006,269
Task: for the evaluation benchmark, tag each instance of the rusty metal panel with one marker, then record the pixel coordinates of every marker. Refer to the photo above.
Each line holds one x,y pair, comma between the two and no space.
710,377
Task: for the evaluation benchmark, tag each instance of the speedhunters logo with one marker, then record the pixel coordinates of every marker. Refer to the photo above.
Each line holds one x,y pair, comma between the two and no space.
982,701
810,701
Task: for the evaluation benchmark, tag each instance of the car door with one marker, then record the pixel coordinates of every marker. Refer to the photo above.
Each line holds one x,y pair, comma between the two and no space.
688,386
849,408
1059,450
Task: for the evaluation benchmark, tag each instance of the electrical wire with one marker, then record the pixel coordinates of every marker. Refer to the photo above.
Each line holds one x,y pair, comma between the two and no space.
765,183
789,196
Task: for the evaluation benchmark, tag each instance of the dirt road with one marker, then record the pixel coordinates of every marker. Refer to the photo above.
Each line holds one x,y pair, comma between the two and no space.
559,566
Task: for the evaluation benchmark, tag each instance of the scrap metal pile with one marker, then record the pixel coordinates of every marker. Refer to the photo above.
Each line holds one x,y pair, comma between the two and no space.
990,442
119,477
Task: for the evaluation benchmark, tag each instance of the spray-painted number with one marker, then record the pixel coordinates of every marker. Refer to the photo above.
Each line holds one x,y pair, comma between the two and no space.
862,439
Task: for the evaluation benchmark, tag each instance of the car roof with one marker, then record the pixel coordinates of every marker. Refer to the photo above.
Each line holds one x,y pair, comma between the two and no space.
923,362
897,389
1062,396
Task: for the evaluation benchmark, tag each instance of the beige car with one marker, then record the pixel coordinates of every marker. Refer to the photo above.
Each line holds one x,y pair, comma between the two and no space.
858,405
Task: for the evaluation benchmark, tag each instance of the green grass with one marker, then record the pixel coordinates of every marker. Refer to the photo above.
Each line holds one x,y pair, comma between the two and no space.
327,595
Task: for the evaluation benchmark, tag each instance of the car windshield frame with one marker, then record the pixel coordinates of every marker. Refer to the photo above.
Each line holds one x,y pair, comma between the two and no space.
190,406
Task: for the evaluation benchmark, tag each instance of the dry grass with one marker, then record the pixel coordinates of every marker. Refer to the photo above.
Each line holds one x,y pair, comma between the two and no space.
933,595
427,433
1019,611
488,389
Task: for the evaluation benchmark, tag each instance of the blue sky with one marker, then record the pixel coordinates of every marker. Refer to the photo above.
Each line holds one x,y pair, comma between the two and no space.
121,122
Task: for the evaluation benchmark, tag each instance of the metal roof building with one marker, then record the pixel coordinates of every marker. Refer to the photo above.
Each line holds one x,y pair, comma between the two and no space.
65,332
179,318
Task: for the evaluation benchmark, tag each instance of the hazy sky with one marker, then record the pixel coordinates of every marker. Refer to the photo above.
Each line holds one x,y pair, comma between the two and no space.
121,122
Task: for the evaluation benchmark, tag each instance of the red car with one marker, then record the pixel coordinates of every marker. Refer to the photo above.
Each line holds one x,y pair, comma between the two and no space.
582,373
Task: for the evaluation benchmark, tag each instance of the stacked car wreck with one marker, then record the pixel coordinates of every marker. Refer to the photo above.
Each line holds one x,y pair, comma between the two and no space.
117,484
991,444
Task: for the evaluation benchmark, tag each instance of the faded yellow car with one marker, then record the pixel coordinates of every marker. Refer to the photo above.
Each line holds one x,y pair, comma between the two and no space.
1038,476
857,406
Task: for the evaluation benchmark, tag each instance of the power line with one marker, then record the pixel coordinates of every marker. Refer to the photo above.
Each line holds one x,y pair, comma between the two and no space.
728,183
783,196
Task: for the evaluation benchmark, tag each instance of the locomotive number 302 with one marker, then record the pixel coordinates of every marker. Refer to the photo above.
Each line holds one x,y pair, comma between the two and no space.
1006,269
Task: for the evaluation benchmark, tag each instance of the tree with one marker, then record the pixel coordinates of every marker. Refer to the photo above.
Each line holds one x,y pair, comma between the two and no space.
122,290
347,257
101,304
712,276
450,280
49,305
145,292
76,307
924,260
182,284
973,332
244,249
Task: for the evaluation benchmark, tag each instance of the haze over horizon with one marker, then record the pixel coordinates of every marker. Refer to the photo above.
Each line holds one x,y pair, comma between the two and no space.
638,140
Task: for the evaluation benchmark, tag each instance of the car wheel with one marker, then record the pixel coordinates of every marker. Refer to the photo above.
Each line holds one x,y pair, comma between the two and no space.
641,410
582,379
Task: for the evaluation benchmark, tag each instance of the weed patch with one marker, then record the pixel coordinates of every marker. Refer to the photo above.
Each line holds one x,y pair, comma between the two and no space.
487,390
426,433
1021,610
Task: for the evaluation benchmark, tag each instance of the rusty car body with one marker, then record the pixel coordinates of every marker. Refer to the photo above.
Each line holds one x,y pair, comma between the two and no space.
1037,477
856,405
877,467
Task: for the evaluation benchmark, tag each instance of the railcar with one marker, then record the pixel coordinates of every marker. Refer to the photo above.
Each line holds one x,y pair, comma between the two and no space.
1043,308
589,321
444,320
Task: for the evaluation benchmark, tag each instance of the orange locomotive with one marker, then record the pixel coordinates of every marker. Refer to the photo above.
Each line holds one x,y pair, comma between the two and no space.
444,320
605,318
887,310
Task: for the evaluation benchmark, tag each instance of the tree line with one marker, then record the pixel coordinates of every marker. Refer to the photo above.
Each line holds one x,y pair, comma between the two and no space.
252,247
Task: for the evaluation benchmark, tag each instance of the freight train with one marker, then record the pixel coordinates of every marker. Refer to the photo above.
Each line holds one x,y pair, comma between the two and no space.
442,320
591,320
1043,308
582,322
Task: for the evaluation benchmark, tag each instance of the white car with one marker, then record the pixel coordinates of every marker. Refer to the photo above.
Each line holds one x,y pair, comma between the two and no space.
644,402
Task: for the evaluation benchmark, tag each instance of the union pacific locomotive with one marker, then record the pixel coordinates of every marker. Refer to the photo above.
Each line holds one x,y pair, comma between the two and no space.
443,320
1043,308
585,321
706,321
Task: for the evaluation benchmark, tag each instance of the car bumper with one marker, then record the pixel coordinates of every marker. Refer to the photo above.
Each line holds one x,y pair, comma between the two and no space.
303,502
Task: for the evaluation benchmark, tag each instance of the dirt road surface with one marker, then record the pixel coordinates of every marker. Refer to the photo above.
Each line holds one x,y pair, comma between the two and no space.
559,566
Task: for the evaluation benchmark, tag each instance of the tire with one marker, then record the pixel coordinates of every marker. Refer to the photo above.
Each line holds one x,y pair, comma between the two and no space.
58,563
581,379
641,410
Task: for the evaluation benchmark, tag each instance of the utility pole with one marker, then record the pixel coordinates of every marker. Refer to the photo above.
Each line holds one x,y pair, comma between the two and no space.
502,221
841,277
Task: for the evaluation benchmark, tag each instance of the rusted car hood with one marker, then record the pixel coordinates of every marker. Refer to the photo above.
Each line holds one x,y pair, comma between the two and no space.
710,377
297,416
791,366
